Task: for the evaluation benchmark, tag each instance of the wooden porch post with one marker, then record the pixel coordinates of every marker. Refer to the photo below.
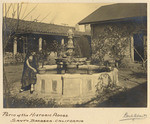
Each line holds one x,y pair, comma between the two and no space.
62,41
132,49
15,46
40,44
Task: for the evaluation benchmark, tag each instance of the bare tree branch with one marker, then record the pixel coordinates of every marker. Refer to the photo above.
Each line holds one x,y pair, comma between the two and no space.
8,8
14,11
5,10
5,25
31,22
30,11
45,17
20,10
24,11
139,54
17,17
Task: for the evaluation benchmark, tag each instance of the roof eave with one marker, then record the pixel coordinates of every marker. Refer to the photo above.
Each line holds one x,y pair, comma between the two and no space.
106,21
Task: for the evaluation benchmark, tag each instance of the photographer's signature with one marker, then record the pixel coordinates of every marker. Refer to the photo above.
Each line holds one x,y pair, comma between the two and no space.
135,116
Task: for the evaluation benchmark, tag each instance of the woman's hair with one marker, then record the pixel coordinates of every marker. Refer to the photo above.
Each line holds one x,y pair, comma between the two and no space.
29,53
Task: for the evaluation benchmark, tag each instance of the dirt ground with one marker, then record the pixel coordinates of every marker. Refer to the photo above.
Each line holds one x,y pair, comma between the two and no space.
135,80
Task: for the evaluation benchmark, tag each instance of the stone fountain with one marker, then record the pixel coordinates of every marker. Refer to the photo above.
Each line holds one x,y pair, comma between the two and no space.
73,80
67,63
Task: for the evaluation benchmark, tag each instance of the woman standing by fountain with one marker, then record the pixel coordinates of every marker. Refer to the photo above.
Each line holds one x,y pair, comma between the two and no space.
29,72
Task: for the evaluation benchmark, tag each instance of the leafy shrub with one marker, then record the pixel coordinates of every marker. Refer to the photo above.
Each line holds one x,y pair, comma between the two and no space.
104,90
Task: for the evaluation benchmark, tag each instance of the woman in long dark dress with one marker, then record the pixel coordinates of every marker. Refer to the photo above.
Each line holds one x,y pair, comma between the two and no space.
29,72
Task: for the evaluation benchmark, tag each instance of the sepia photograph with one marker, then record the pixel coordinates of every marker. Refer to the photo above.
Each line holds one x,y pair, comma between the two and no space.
74,55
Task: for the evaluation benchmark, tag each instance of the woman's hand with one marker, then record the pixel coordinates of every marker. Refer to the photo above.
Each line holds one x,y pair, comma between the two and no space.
34,70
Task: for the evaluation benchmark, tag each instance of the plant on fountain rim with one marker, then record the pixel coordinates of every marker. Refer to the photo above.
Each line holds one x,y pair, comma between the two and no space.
42,55
104,91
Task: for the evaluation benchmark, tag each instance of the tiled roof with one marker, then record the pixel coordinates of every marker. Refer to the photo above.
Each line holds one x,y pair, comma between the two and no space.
39,28
116,12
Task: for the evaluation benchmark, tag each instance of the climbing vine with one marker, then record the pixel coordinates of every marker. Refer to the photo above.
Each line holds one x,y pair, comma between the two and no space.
112,42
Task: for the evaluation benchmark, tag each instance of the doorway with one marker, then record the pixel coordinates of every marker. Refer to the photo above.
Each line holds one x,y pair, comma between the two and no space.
139,47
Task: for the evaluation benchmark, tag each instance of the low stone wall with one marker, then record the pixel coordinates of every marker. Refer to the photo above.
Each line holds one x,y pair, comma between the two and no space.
74,88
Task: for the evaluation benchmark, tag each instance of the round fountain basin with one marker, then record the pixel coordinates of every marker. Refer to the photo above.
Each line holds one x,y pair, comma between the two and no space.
76,88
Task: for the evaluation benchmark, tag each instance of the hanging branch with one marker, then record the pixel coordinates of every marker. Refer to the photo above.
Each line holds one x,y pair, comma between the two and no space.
30,12
14,11
37,18
31,22
5,10
24,11
8,8
5,25
17,17
45,17
20,10
15,27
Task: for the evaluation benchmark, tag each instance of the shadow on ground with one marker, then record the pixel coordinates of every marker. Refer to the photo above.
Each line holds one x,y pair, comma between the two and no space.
138,75
135,97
